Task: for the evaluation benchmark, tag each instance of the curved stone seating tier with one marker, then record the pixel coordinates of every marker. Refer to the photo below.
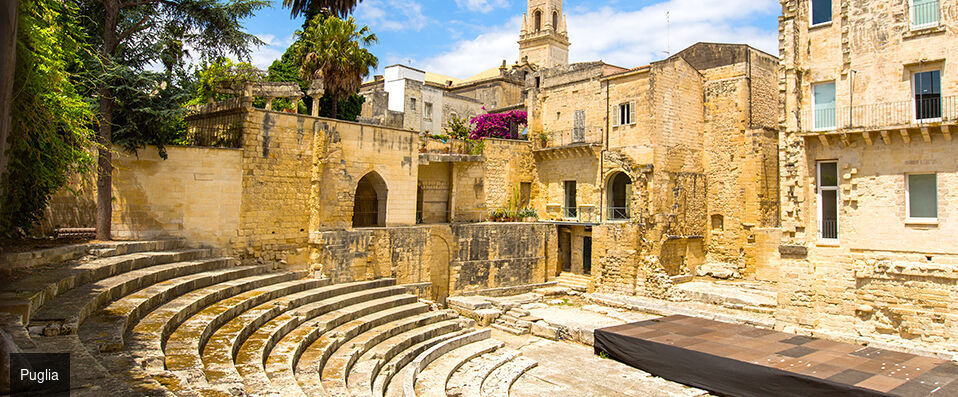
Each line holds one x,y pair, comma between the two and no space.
104,330
221,349
180,322
147,337
183,347
432,381
363,374
341,362
498,383
311,364
268,357
427,357
468,379
389,380
67,310
26,296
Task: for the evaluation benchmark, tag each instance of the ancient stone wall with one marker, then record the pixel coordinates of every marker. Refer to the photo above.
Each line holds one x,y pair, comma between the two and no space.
195,193
456,258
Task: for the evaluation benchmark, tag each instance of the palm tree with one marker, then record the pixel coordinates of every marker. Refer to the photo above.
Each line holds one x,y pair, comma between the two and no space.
332,49
336,7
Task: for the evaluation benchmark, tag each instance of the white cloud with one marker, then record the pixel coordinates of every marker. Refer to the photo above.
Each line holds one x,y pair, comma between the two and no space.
469,57
624,38
392,15
482,6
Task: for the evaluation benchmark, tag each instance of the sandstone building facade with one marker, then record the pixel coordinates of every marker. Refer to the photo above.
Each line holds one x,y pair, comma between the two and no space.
869,168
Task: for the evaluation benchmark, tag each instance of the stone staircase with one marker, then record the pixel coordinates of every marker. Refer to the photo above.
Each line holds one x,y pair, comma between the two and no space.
159,318
575,282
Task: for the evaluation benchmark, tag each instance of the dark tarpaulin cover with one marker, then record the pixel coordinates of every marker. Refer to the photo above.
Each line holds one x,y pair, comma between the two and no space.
716,374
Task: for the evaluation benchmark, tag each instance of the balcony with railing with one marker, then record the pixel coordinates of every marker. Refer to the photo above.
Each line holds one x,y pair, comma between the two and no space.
619,214
568,141
920,113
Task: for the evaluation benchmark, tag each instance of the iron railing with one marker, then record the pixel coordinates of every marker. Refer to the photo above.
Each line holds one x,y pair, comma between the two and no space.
559,138
619,213
924,15
921,111
830,229
580,214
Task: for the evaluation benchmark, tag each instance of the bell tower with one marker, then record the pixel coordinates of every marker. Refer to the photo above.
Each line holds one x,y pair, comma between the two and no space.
544,40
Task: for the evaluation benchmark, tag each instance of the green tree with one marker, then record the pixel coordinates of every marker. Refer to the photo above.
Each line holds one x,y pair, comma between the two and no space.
130,36
286,69
333,49
51,130
335,7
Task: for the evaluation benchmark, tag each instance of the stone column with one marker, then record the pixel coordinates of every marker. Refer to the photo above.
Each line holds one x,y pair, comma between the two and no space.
316,91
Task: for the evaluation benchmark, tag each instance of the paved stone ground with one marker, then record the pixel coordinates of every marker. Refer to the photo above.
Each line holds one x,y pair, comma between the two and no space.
571,369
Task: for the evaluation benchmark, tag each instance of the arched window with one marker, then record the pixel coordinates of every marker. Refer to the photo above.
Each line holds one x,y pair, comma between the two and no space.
620,194
369,207
555,20
538,17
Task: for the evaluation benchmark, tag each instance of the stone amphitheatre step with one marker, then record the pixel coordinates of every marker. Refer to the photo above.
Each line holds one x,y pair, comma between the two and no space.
468,379
147,337
312,363
498,383
87,375
268,362
427,357
223,346
104,330
432,381
66,311
340,364
363,375
183,347
29,294
389,382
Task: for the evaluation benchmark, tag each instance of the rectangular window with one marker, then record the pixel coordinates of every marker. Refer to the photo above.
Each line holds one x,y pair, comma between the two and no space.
823,103
924,13
624,114
570,210
927,87
821,11
922,190
427,110
578,126
412,104
828,200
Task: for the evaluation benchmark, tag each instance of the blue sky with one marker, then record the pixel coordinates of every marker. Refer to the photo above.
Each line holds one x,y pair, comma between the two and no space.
460,38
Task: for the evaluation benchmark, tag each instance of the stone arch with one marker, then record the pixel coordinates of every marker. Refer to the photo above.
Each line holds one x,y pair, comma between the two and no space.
369,206
439,267
619,196
538,20
555,20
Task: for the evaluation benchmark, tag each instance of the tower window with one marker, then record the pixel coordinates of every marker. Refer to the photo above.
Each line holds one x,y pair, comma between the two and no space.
538,18
555,21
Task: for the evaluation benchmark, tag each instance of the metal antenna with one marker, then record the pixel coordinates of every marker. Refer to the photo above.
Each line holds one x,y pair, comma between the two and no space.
668,33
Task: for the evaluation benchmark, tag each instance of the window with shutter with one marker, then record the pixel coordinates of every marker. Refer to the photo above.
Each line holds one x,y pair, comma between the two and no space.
615,116
632,113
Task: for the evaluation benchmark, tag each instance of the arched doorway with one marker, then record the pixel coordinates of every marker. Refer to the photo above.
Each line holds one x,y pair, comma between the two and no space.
369,207
620,194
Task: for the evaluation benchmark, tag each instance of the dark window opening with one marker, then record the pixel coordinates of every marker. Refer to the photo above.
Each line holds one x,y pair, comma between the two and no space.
718,222
928,95
620,196
821,11
570,204
538,18
555,21
587,255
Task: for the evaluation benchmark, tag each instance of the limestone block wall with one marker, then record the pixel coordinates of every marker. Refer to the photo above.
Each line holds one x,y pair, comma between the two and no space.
457,258
507,163
195,193
274,213
551,177
435,188
73,206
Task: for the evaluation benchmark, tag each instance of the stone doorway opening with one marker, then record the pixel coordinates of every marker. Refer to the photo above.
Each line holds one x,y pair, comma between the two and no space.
619,195
369,207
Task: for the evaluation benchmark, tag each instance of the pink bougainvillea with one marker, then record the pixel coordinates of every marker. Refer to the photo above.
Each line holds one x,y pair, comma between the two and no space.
499,125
